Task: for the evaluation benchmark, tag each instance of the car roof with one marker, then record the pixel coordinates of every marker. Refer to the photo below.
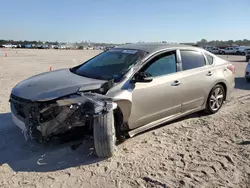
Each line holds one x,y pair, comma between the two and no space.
153,47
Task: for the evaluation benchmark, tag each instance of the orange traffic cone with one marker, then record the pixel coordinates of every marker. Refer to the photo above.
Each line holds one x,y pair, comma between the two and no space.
50,69
6,54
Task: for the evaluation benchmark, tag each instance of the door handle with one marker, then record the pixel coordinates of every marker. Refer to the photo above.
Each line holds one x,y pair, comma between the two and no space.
176,83
209,73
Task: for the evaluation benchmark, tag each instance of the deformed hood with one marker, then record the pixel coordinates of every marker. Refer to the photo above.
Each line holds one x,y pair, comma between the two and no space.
51,85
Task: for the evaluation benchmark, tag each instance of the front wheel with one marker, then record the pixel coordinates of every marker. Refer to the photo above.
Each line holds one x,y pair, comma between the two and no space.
104,135
215,99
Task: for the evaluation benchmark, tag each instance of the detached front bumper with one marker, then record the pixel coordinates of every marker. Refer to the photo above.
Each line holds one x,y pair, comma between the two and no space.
42,120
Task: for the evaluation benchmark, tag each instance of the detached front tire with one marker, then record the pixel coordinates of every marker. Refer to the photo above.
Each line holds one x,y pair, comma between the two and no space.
104,135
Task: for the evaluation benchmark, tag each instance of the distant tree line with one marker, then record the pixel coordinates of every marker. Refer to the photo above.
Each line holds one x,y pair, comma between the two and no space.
218,43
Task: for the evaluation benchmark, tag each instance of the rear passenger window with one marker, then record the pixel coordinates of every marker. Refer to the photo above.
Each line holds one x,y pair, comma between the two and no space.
209,58
192,59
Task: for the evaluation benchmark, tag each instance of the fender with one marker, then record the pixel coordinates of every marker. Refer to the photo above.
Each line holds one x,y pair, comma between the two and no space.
123,99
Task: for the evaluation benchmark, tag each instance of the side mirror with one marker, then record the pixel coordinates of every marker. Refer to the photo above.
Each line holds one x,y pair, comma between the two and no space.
142,77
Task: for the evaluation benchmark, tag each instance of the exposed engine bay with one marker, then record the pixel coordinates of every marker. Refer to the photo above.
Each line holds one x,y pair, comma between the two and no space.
44,120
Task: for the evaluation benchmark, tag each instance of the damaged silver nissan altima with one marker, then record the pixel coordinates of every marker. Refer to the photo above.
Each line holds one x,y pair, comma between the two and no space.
122,91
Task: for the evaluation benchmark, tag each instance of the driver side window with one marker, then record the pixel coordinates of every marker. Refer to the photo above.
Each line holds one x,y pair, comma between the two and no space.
162,64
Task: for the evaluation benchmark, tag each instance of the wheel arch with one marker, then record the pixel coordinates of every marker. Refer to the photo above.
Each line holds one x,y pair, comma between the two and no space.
223,84
121,116
123,110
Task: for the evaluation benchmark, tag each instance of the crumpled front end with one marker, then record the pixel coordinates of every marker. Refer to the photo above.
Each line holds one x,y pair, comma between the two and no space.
43,120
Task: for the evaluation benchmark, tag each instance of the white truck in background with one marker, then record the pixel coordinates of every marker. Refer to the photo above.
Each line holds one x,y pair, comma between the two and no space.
228,50
238,50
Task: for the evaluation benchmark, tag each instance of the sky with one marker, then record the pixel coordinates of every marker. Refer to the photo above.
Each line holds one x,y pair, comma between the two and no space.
119,21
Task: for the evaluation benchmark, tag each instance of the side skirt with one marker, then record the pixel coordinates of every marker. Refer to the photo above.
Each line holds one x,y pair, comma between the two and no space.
161,121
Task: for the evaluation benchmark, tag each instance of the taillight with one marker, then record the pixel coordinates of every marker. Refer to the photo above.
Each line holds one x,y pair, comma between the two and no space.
231,68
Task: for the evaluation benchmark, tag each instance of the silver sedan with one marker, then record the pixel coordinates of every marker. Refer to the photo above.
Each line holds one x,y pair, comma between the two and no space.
123,91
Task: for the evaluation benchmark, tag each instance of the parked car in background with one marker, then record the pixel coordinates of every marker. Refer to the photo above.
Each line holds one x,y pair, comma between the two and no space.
9,46
228,50
214,50
125,90
247,51
62,47
19,46
45,46
241,50
207,47
28,46
39,46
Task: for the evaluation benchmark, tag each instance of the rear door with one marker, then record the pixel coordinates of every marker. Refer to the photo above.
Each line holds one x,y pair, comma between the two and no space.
197,77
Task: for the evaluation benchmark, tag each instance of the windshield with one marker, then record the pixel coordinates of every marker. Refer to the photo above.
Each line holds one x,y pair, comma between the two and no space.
112,64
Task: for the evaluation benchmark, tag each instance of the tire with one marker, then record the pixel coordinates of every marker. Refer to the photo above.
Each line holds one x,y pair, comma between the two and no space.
223,53
248,79
209,108
104,135
243,53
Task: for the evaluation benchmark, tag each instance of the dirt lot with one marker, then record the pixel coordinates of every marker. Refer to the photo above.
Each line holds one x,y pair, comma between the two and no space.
197,151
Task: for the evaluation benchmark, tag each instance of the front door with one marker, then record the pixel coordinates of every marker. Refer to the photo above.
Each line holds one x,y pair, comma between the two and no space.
159,98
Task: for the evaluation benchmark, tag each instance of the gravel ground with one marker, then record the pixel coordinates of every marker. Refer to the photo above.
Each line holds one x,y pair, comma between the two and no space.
196,151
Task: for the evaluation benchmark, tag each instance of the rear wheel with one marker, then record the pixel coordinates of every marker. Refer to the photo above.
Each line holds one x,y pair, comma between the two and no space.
243,53
215,99
104,135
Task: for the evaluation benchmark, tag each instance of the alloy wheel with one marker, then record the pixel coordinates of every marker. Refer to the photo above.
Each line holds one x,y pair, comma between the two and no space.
216,99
